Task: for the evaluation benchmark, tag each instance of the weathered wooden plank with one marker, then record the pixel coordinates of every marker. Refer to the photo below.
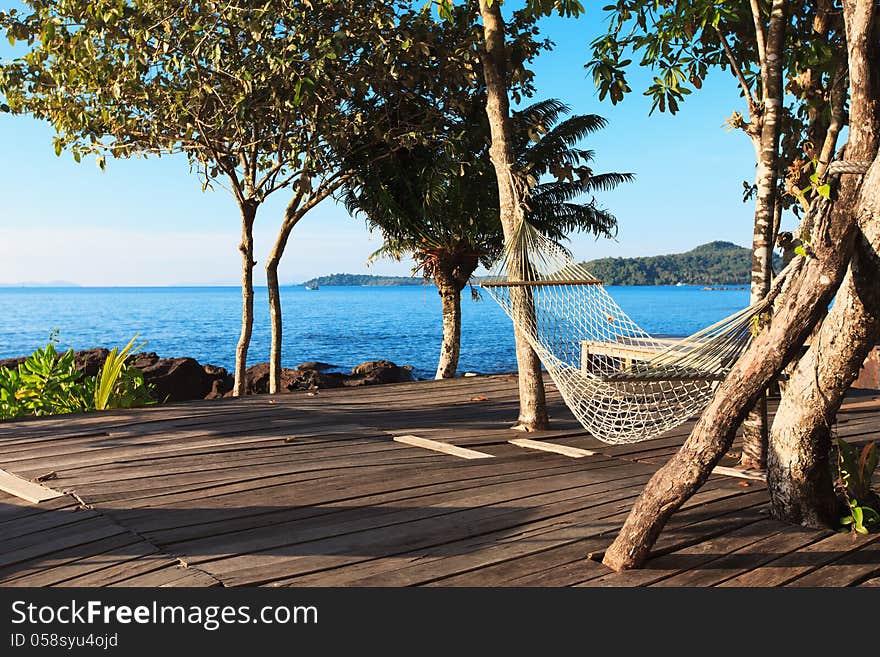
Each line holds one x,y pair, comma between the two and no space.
486,559
26,490
739,473
787,568
762,542
444,448
86,532
190,524
572,452
846,570
75,561
364,526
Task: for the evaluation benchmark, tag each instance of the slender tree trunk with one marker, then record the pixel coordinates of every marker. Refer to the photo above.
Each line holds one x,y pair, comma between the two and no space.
450,347
754,454
246,247
798,474
532,401
797,310
275,315
304,199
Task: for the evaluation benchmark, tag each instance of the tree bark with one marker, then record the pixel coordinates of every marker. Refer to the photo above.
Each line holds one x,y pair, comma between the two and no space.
304,199
450,347
275,316
798,474
532,400
797,310
754,454
246,247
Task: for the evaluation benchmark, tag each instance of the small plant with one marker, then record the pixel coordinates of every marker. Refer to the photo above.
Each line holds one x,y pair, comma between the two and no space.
118,385
854,472
49,383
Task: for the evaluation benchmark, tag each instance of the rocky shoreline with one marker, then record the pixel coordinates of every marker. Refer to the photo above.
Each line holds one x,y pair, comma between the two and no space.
184,379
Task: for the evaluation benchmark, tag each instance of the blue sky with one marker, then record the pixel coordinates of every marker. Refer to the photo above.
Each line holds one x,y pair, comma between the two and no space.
147,222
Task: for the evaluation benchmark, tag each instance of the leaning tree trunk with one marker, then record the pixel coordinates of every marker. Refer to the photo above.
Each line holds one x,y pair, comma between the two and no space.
275,317
798,308
246,247
532,401
450,346
798,473
754,453
296,209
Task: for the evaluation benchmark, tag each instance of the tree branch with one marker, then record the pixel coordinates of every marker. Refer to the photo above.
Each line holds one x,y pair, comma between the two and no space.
762,48
737,71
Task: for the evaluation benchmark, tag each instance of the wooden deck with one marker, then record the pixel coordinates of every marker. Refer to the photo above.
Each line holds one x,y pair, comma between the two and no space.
303,490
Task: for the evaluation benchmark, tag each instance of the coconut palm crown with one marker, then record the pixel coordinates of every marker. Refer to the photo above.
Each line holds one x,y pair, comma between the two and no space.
439,203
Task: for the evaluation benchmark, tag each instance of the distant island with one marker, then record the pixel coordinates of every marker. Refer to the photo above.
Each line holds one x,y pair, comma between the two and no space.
41,284
360,280
713,264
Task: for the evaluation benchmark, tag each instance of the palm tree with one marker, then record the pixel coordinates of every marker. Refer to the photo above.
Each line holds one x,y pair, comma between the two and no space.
439,204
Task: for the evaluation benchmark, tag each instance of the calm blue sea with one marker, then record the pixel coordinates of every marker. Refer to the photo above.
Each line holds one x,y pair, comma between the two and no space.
344,326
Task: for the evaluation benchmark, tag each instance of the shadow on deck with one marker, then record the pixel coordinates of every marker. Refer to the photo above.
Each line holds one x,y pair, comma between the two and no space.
299,490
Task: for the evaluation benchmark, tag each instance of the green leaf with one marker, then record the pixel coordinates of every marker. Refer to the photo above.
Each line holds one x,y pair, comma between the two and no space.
800,250
824,191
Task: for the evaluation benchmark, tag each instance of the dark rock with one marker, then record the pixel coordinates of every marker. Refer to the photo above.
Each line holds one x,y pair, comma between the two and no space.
221,388
12,363
378,372
90,361
258,379
177,379
182,379
144,359
216,371
222,381
314,379
301,378
316,365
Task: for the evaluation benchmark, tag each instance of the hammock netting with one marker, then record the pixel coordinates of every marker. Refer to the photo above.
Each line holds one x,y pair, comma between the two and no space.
622,384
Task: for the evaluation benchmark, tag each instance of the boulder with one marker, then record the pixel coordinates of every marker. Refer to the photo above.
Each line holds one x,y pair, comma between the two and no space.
258,379
222,381
176,379
307,376
90,361
312,378
376,372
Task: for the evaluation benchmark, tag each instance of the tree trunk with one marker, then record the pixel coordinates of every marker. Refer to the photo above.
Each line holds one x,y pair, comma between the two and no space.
798,469
798,475
532,401
754,454
248,215
808,291
275,316
450,347
304,199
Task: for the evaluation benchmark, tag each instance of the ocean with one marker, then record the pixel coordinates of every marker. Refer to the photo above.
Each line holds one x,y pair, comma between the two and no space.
343,326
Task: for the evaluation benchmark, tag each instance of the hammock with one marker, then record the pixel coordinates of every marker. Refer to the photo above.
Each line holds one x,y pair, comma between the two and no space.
622,384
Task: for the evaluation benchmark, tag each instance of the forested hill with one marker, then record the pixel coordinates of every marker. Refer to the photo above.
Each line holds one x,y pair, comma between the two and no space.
715,263
363,279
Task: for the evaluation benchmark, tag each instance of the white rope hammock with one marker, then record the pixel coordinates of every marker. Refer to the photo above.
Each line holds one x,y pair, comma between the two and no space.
622,384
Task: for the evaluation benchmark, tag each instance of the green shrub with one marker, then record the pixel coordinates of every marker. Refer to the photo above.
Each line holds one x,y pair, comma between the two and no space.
48,383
